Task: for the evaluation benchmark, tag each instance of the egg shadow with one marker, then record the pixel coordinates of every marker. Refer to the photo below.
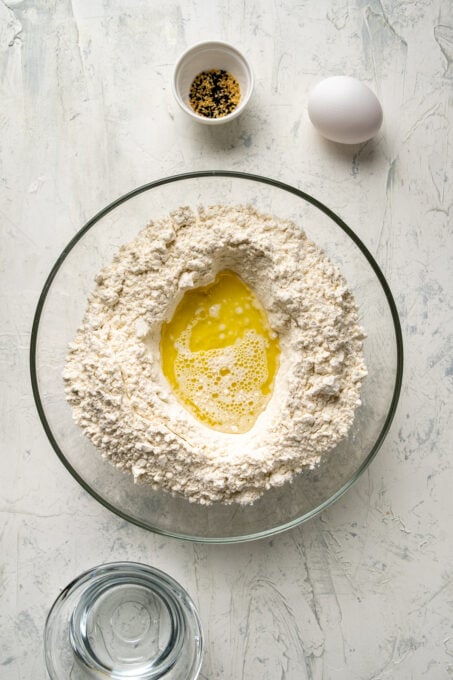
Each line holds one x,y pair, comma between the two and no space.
354,156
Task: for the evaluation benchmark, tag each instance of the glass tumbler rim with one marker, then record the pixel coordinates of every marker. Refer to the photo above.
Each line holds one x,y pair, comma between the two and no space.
75,600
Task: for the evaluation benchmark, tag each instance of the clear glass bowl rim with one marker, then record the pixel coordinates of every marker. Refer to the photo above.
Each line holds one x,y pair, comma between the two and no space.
279,185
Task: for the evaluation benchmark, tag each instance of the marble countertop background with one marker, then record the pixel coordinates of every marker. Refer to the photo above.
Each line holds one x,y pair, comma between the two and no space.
364,591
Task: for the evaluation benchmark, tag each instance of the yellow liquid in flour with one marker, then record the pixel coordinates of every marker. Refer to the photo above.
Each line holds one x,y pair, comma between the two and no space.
220,355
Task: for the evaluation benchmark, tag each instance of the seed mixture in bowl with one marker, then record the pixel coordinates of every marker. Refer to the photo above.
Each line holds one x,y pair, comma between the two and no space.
214,93
220,355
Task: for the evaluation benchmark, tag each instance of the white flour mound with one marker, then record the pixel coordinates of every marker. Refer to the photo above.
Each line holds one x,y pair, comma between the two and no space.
114,380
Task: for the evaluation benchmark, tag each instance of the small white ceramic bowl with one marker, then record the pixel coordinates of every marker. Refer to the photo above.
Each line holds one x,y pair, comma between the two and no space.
203,57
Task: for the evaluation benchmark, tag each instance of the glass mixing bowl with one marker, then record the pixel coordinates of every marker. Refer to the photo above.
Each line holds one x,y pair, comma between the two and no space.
61,307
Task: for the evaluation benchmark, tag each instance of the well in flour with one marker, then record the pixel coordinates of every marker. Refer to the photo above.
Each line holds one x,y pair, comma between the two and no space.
121,398
220,355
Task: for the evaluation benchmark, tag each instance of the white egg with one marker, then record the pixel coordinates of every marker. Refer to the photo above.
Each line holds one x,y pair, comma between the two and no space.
344,110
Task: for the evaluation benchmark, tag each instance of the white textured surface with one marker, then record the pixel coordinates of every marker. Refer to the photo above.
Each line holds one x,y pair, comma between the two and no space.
86,113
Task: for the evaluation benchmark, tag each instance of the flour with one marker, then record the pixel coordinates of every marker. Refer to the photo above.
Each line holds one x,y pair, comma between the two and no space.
114,380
